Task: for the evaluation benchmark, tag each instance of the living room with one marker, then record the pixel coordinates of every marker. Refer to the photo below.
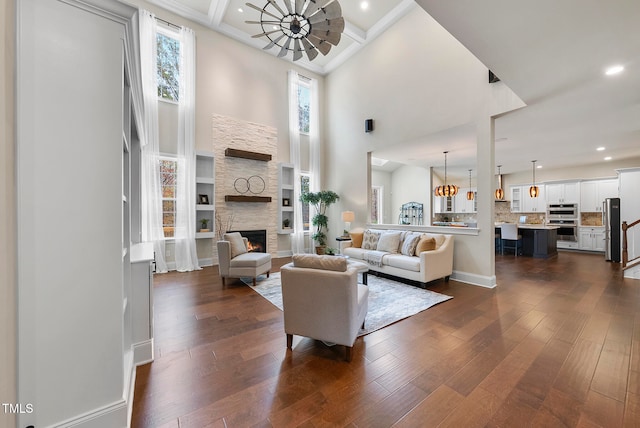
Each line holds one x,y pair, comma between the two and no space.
239,82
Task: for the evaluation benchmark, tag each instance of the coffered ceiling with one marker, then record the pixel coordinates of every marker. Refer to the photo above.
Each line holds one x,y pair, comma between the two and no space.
228,17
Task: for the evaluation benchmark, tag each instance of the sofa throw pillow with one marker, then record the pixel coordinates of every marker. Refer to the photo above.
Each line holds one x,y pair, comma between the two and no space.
313,261
236,243
356,239
425,244
370,240
437,236
389,242
409,245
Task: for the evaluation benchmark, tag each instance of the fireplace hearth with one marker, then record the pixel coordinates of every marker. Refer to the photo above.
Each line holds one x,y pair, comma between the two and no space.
257,239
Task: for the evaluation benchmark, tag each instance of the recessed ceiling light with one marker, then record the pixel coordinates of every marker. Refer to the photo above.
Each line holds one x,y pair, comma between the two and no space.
364,5
539,166
240,10
600,149
614,70
608,158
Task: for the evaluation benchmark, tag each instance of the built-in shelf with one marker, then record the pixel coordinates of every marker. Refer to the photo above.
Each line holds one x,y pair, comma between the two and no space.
242,198
235,153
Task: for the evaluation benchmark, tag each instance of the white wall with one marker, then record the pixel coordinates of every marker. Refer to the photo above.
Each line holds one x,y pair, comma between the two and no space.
7,219
69,206
411,184
415,80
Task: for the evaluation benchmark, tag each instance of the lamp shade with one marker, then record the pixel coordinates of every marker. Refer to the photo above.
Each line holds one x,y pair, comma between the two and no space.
348,216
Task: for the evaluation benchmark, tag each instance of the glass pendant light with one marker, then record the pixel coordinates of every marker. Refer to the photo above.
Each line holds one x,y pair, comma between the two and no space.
446,189
499,191
534,191
470,194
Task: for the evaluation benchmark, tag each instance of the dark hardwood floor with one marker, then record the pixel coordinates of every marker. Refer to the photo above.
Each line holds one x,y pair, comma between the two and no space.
556,344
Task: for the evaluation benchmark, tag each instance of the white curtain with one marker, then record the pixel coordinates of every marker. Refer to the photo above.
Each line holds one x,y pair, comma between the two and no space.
151,187
314,142
297,237
185,235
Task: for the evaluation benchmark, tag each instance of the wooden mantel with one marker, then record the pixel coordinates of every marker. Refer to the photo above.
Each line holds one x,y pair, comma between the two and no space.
235,153
243,198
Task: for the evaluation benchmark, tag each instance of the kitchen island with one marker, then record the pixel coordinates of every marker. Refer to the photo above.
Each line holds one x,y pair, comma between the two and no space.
538,240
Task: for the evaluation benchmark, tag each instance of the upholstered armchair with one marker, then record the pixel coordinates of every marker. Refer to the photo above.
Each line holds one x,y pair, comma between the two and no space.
235,261
323,300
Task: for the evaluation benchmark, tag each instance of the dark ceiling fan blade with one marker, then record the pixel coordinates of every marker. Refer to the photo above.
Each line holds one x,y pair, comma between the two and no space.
297,52
329,36
255,36
262,11
330,25
262,22
322,45
331,11
273,42
311,51
284,49
275,4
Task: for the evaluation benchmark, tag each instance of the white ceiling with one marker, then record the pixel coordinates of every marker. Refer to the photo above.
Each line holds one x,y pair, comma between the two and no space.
551,54
361,26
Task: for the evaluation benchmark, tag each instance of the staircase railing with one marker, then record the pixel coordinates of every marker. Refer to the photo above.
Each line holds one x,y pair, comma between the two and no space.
625,253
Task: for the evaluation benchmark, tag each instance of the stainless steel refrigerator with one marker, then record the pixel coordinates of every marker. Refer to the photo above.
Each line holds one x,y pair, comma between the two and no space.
611,221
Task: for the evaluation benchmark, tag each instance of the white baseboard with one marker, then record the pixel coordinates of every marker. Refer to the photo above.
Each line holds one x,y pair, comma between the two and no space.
205,262
114,415
472,278
633,273
143,352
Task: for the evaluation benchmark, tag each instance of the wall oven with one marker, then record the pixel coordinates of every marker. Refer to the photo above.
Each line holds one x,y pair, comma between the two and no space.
567,229
562,211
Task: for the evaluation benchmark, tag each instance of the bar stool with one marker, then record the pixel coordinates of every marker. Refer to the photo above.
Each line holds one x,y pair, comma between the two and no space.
509,233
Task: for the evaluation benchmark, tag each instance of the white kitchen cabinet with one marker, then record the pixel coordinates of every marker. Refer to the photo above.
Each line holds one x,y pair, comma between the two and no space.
563,193
534,205
591,238
464,205
593,193
444,205
521,202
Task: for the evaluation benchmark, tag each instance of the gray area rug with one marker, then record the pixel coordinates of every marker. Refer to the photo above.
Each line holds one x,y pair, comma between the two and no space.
389,301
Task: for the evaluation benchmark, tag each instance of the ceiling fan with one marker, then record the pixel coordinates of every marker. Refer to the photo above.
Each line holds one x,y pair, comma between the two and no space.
308,26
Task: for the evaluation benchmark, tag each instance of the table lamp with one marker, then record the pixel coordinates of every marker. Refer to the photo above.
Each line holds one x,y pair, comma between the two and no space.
347,217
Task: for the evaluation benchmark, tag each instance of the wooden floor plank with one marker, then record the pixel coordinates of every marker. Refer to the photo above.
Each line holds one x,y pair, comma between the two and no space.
557,343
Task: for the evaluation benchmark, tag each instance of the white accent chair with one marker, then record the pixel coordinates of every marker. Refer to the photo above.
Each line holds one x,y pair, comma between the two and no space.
238,262
327,305
509,234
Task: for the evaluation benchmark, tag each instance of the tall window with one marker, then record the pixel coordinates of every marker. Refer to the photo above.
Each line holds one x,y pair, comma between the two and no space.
168,178
376,204
168,68
304,106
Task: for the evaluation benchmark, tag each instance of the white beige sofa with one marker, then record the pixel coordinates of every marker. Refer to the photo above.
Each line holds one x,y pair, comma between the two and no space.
391,253
322,299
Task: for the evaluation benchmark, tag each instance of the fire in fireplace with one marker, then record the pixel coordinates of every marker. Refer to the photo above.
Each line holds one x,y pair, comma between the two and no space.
257,240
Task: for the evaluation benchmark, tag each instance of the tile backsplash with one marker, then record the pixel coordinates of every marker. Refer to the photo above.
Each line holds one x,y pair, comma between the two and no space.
591,219
503,214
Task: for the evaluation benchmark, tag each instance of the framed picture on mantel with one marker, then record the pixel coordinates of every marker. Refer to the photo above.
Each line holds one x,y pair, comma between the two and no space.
203,199
286,202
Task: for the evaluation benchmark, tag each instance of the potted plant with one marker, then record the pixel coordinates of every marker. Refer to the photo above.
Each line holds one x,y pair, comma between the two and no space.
330,251
320,201
285,223
203,223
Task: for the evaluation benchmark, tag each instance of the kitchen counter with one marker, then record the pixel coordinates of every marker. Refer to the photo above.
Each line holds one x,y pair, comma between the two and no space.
538,240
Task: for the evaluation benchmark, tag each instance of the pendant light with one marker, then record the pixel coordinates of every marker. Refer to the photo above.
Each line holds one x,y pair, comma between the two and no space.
470,194
534,190
446,189
499,191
